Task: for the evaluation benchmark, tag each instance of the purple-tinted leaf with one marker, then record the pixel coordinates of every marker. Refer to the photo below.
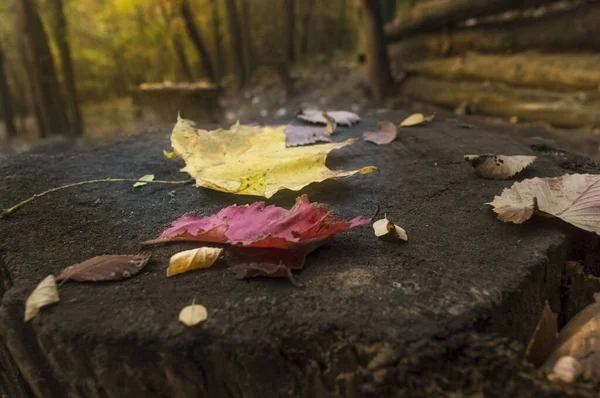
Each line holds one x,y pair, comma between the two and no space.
386,133
305,135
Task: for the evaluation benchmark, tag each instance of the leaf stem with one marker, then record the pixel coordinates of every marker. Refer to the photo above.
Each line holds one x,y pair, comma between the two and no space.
11,210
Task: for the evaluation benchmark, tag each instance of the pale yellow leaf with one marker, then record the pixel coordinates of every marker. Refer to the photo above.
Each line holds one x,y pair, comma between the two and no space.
574,198
498,167
250,160
416,119
147,177
189,260
44,294
386,229
193,315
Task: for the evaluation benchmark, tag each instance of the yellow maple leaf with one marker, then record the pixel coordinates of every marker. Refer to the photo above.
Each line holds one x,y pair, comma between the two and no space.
250,160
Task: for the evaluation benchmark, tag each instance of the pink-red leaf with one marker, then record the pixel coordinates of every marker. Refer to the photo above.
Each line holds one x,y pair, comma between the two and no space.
257,225
105,268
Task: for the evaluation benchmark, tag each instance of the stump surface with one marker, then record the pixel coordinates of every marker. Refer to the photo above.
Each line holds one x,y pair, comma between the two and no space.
447,311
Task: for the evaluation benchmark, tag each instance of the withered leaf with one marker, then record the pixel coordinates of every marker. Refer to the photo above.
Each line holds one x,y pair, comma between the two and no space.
44,294
189,260
305,135
580,339
387,230
498,167
386,133
543,337
574,198
143,180
343,118
193,315
416,120
109,267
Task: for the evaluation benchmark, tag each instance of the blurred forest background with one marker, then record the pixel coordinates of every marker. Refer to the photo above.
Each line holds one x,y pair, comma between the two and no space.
90,69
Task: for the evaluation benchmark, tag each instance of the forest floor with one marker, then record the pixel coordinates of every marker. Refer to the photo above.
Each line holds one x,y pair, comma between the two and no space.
326,84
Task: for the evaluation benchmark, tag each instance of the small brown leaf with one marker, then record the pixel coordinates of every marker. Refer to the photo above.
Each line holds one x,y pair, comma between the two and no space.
498,167
543,337
386,133
105,268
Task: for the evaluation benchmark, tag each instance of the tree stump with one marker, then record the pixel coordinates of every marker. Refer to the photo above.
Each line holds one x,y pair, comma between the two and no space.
449,311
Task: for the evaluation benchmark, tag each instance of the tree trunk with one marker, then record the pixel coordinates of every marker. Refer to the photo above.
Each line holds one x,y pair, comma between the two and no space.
306,17
497,99
428,15
248,45
184,65
49,106
377,58
553,71
290,30
237,46
194,33
6,100
66,62
217,39
573,30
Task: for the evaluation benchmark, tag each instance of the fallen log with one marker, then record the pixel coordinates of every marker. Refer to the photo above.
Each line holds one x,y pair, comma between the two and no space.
437,13
570,31
553,71
498,99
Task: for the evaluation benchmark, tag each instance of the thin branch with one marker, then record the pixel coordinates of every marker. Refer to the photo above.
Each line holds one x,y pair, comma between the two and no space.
10,210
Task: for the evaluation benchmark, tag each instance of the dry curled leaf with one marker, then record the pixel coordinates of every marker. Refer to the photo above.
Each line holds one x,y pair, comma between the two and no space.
144,179
574,198
249,160
498,167
202,257
343,118
542,340
44,294
386,133
385,229
105,268
263,240
193,315
305,135
579,339
416,120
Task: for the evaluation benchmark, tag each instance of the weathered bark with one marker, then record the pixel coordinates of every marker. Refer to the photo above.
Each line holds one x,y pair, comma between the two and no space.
237,46
184,65
290,30
377,58
573,30
248,44
307,12
66,63
428,15
194,33
497,99
552,71
217,40
6,101
48,102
